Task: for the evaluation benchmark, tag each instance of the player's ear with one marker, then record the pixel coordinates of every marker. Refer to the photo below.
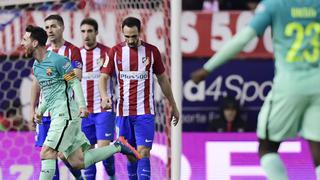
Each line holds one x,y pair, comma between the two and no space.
35,43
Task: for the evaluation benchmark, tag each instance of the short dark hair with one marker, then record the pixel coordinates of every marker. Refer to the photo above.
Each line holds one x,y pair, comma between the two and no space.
91,22
131,22
37,33
55,17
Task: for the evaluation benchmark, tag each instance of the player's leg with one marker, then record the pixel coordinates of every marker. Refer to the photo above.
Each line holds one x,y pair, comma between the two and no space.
75,172
310,130
88,128
76,148
48,162
41,134
144,134
279,119
125,128
315,149
105,127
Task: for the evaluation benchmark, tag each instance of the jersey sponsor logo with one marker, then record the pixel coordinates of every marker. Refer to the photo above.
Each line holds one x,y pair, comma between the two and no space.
148,140
133,75
146,61
47,83
119,61
108,134
90,75
49,72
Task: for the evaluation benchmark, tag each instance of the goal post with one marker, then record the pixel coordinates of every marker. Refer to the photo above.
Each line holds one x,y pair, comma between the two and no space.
176,82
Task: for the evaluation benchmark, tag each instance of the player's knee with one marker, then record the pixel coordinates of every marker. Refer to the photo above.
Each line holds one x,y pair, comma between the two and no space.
77,165
48,153
103,143
267,146
144,152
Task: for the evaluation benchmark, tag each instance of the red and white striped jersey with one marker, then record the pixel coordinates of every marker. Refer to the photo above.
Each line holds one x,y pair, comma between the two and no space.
92,62
72,52
134,69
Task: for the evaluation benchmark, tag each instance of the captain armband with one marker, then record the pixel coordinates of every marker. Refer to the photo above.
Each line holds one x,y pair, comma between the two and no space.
69,76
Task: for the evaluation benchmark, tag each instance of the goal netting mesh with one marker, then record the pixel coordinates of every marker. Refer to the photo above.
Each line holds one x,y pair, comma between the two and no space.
20,159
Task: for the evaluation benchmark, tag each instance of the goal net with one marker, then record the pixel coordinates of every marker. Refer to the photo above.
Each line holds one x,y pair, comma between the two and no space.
16,81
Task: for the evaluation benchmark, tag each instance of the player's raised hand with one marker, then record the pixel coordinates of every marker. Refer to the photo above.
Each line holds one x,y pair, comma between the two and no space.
37,118
83,112
106,103
175,116
199,75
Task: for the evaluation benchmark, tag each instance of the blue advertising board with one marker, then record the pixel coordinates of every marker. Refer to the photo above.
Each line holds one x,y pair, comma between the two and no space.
249,81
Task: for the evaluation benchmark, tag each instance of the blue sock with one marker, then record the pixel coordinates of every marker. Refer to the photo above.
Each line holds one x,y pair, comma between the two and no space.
75,173
109,166
132,170
144,170
56,173
90,172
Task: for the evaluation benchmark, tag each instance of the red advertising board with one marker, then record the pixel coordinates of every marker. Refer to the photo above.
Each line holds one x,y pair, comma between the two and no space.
202,33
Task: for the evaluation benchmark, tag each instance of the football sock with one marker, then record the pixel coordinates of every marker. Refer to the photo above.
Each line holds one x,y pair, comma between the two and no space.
56,173
273,167
144,170
90,172
318,172
109,166
93,156
48,167
132,170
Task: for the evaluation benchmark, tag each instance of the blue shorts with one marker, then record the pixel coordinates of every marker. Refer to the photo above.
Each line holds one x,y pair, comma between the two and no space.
138,130
42,131
99,126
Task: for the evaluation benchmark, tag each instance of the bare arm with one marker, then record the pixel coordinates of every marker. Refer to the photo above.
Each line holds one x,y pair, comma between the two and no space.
35,93
105,100
227,52
166,89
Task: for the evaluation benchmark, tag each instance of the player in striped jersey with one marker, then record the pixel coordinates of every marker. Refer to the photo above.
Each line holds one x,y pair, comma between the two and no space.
54,27
99,127
56,78
135,63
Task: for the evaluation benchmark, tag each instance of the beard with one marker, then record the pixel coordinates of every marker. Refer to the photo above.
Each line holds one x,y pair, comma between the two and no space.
133,45
28,53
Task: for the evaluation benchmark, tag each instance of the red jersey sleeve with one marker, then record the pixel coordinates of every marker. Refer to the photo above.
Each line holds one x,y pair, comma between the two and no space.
158,67
76,58
108,64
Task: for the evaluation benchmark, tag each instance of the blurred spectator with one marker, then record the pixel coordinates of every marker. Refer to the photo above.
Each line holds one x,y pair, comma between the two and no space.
192,4
252,4
230,119
211,5
238,4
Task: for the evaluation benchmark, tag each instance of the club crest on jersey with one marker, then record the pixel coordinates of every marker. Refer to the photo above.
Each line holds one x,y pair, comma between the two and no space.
146,60
100,61
49,72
